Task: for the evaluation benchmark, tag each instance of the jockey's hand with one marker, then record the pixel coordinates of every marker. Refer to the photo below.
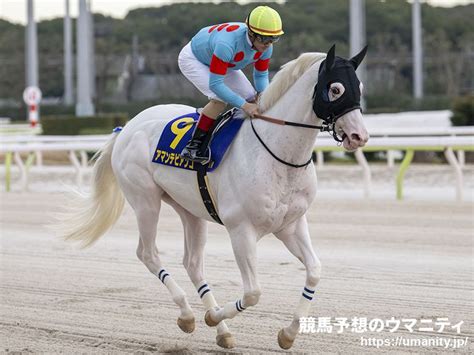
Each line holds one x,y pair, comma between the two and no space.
251,109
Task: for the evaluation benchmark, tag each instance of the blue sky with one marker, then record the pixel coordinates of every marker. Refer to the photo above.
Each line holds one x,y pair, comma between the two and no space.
15,10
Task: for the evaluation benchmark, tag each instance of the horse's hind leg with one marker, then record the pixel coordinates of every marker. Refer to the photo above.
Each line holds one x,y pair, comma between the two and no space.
145,198
195,236
147,252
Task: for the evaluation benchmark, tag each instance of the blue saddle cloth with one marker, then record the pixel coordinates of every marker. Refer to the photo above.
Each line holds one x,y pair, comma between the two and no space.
177,134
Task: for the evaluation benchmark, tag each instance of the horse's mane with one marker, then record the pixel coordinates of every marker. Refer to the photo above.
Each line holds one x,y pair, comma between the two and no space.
286,77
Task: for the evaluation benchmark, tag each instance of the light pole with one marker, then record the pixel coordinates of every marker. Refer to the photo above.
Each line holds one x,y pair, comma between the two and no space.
91,48
357,36
31,48
31,94
68,63
417,50
84,105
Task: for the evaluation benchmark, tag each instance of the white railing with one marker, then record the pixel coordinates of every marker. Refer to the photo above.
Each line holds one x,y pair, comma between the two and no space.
52,139
423,131
457,139
6,128
409,132
13,146
446,144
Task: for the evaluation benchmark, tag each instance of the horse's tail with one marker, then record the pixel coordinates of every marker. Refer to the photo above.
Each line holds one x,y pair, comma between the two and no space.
92,214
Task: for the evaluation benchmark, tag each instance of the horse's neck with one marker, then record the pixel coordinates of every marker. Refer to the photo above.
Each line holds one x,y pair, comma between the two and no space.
292,144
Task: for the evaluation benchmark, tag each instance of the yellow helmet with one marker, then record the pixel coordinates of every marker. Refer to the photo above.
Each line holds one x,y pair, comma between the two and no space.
265,21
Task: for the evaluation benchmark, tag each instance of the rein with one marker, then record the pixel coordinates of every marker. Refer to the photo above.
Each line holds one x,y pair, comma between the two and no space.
288,123
273,154
326,127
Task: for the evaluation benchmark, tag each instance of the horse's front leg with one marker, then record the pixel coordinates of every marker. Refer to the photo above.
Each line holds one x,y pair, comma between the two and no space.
297,239
244,245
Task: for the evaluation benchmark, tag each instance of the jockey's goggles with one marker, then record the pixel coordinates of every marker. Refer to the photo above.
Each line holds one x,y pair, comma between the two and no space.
266,39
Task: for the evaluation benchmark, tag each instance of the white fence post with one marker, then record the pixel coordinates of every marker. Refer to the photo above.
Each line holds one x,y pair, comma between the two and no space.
360,157
451,157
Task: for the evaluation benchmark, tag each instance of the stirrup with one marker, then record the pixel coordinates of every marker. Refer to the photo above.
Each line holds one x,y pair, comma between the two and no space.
193,155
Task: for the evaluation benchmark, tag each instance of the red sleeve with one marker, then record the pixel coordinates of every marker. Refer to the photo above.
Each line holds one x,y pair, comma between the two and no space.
218,66
262,64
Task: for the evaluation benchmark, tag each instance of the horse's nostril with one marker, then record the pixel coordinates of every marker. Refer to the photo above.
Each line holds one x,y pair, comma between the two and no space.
355,137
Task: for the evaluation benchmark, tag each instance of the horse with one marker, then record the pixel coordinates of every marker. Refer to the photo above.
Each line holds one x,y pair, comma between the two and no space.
263,186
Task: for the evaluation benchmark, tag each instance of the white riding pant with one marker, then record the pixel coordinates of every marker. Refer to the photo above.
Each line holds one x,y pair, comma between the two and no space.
198,74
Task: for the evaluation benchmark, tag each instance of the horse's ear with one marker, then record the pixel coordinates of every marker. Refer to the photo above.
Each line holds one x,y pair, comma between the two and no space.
357,59
329,64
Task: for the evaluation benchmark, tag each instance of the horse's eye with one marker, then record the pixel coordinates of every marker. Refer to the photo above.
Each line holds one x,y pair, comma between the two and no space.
336,90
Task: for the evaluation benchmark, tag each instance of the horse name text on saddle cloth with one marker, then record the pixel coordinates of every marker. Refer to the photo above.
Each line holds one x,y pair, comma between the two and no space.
177,134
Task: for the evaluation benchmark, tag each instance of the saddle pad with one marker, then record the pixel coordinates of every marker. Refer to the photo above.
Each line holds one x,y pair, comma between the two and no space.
177,134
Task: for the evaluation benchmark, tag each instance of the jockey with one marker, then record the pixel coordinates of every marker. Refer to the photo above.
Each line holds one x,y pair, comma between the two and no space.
213,62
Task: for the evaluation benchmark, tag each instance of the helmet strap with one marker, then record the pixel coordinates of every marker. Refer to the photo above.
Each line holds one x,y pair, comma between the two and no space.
252,38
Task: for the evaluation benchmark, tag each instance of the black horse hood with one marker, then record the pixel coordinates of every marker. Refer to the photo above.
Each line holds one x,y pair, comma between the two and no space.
337,70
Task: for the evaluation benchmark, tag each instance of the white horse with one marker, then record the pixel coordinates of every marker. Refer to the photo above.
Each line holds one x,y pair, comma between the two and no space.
254,193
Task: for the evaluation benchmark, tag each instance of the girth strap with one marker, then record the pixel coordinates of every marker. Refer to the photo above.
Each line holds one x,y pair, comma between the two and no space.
206,193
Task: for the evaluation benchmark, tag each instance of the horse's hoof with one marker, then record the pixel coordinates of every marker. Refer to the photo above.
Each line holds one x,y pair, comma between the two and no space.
225,341
284,341
186,325
209,321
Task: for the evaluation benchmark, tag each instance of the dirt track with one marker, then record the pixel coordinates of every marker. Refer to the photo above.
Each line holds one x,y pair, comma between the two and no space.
381,259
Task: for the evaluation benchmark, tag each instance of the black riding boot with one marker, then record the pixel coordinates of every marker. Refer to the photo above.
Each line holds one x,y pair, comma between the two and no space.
195,150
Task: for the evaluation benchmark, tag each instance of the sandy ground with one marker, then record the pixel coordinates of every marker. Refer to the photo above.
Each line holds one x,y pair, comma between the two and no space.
381,259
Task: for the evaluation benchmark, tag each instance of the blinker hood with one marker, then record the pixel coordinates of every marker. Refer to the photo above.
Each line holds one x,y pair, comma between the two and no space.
337,70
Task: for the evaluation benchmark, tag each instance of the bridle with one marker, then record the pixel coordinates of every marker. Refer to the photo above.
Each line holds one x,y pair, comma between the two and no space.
329,125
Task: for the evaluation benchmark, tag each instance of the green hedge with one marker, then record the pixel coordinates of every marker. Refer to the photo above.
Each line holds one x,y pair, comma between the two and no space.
19,112
396,102
463,111
72,125
135,107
